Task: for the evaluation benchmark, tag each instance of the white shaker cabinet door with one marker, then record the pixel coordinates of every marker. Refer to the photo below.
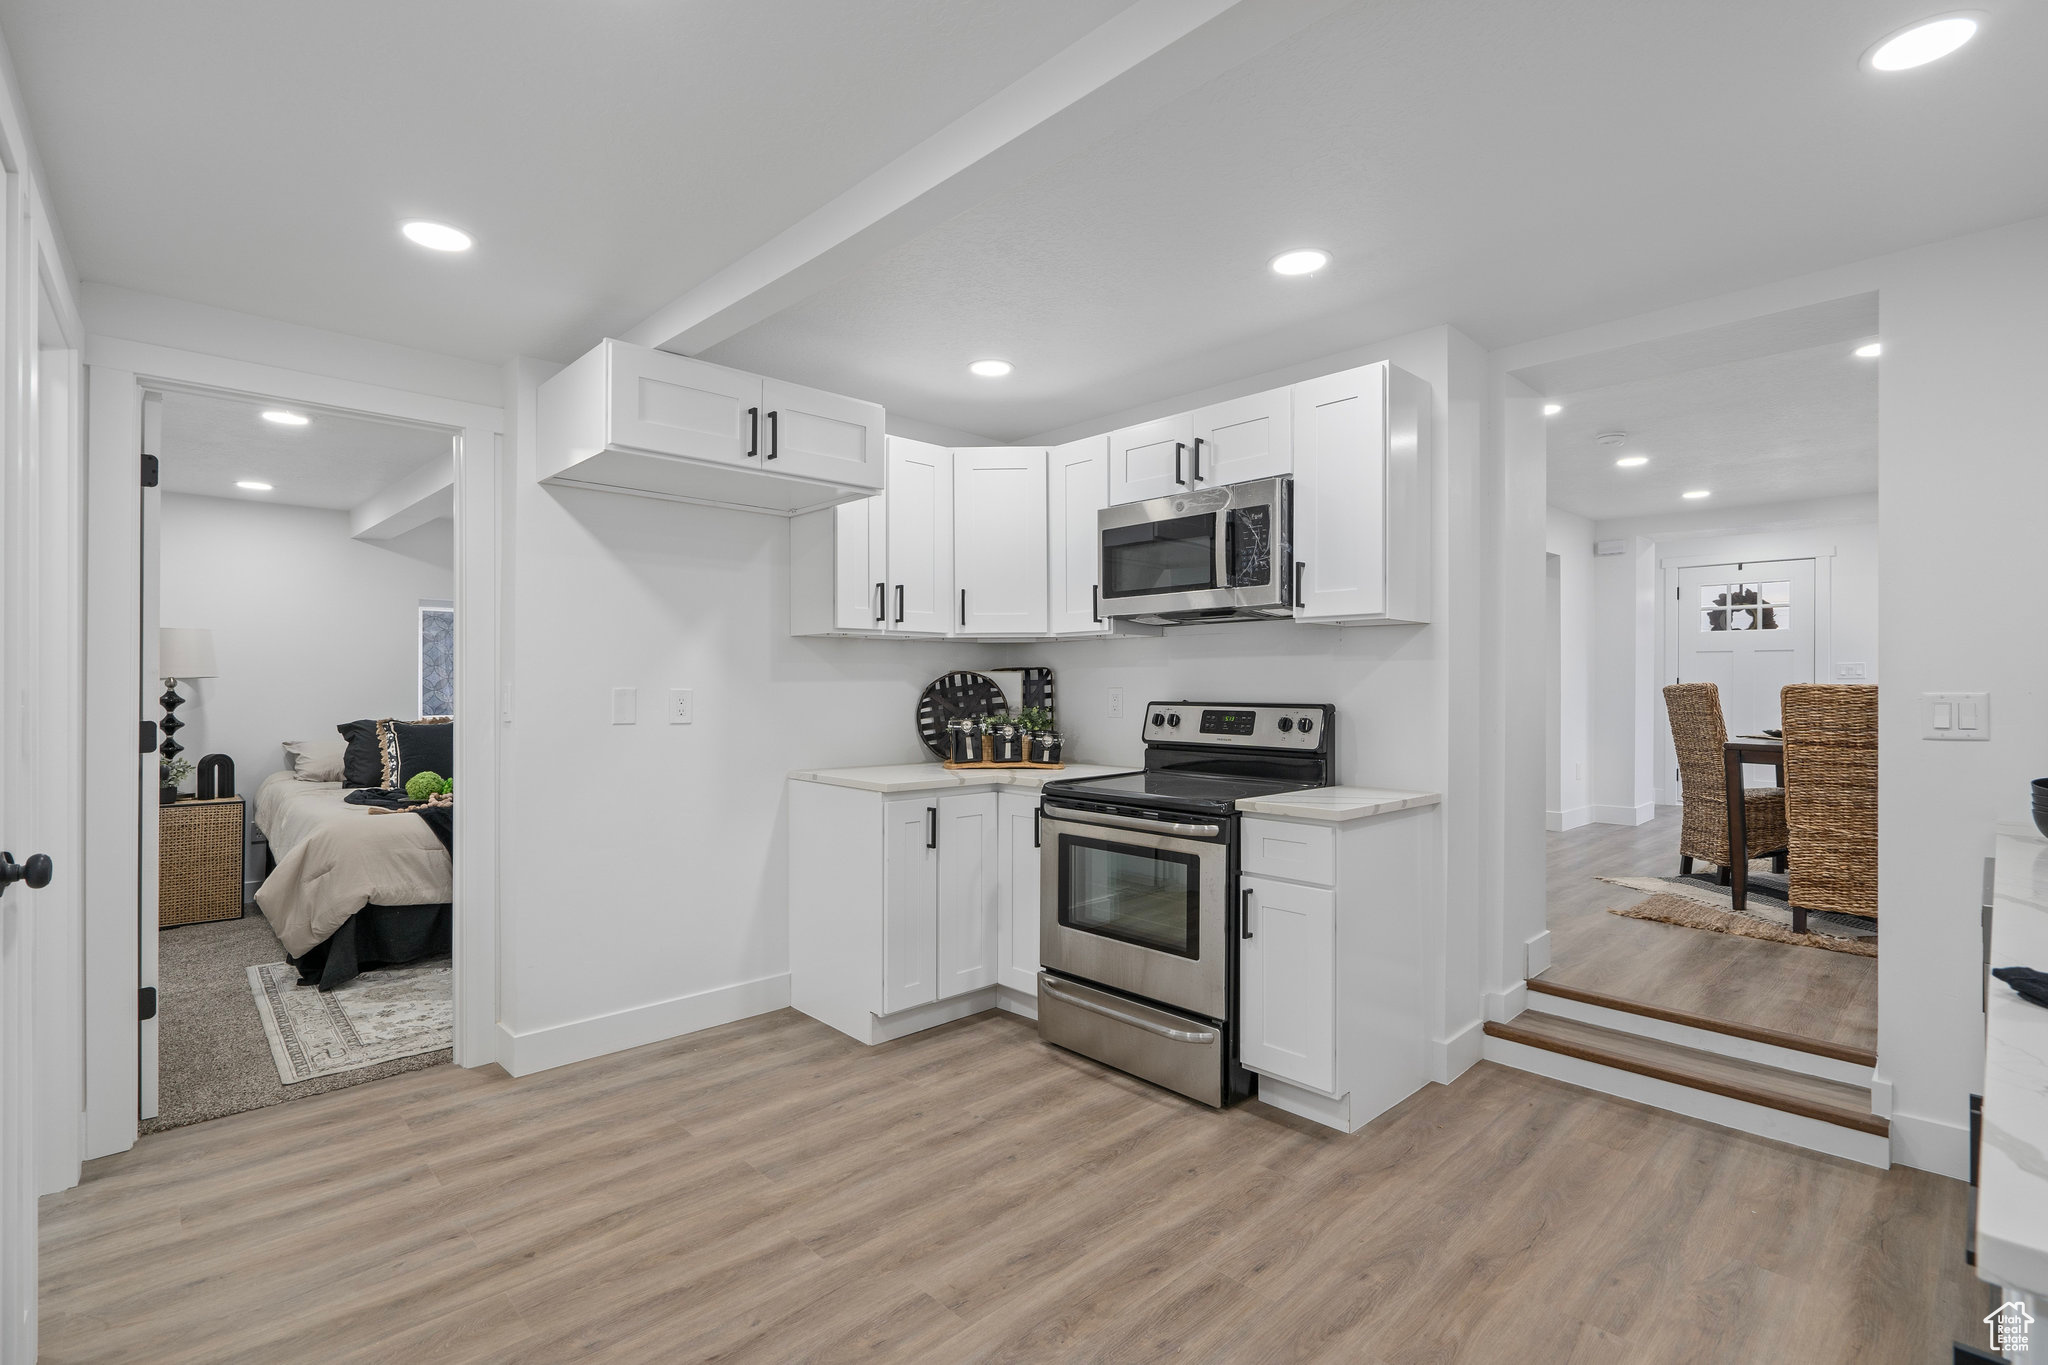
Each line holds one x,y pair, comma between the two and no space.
968,866
1018,918
1150,460
1245,438
817,435
999,539
1340,511
1287,981
910,904
673,405
919,595
1077,487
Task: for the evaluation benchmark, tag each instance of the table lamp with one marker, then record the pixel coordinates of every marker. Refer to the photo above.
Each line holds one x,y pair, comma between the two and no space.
181,653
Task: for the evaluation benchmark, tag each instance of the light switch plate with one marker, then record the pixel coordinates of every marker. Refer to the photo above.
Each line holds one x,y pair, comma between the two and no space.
1848,672
625,705
681,706
1955,715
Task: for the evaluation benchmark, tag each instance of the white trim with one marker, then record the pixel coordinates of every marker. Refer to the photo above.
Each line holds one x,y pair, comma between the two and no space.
1450,1058
1706,1040
1504,1005
1624,815
1931,1145
1013,1001
1536,955
522,1054
1812,1134
1560,821
1307,1104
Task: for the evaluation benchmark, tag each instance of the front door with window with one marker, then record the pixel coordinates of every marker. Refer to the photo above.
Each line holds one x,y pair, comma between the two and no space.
1748,628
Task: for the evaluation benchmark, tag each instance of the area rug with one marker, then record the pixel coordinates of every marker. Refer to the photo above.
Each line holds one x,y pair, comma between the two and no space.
1701,903
379,1016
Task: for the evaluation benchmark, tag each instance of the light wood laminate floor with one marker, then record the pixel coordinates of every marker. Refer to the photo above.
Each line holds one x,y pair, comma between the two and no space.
772,1191
1805,991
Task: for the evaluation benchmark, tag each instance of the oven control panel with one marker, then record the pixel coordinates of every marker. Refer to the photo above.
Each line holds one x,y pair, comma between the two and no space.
1261,726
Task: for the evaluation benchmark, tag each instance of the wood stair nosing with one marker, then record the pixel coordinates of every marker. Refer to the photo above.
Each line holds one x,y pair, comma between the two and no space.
1749,1082
1841,1052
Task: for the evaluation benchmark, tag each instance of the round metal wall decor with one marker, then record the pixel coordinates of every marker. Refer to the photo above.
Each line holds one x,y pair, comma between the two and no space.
957,696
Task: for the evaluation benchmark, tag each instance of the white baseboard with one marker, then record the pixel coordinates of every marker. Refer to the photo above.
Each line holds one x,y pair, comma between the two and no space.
1014,1001
522,1054
1536,958
1931,1145
1502,1006
1558,821
885,1028
1452,1057
1812,1134
1307,1104
1625,815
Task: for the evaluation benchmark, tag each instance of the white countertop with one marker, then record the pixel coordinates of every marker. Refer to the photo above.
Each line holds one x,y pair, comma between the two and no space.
1336,805
920,777
2012,1184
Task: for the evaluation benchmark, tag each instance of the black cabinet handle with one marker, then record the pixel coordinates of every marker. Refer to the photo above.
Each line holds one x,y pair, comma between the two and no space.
1095,602
1037,812
1245,914
931,826
899,604
1179,449
1198,459
881,601
774,434
36,871
963,608
753,432
1298,567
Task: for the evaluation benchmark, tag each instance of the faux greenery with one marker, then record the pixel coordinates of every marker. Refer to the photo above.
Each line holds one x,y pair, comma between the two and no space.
420,786
1035,718
173,772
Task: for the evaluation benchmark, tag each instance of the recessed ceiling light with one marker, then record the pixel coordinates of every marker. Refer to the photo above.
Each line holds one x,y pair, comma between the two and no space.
1871,351
990,369
286,419
1631,461
252,485
1306,261
1552,409
1697,493
1927,41
437,236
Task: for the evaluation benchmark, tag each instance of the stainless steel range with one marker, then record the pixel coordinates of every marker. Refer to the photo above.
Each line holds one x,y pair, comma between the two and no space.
1138,911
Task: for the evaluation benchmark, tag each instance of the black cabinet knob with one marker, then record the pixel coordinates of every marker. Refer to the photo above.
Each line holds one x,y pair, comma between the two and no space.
36,871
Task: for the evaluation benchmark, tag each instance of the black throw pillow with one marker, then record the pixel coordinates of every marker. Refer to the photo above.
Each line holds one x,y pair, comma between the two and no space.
361,765
424,747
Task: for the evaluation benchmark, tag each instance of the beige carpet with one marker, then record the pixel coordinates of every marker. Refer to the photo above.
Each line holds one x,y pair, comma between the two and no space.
213,1057
1666,908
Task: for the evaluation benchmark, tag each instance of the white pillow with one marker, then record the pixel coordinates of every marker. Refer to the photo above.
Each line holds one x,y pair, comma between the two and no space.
316,760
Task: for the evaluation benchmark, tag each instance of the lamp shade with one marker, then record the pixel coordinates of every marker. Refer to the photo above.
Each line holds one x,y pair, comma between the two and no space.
184,653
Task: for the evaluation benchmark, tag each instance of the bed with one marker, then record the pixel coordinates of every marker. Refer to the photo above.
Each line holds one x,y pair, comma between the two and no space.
350,889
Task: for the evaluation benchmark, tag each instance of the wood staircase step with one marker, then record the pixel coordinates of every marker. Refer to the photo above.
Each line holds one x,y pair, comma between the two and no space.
1775,1037
1787,1091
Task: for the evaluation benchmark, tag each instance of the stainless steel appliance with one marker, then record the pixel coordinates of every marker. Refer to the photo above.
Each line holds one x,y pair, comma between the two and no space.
1214,554
1139,906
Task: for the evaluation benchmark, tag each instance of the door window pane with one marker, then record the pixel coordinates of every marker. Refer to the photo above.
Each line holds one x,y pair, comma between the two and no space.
1137,895
437,660
1745,606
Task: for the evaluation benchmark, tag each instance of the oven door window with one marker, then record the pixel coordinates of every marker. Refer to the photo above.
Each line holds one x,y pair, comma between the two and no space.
1159,556
1150,897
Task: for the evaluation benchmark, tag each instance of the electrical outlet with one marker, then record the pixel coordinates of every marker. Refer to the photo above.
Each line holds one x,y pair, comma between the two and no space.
1116,703
625,705
681,708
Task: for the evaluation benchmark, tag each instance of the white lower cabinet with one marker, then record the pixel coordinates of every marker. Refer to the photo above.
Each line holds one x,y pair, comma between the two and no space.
968,868
910,904
1017,904
1287,981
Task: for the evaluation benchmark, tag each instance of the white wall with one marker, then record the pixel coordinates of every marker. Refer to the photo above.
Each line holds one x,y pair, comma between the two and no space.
1622,740
310,628
1570,537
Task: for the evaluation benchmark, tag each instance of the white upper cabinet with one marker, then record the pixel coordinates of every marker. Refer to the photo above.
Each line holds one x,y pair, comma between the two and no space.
1150,460
919,561
999,541
1077,487
1245,438
1362,498
627,419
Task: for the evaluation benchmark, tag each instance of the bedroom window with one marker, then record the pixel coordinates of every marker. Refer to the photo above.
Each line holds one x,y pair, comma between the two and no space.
437,658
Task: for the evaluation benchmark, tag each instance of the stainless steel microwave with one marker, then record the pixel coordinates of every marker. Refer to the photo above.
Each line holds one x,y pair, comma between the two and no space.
1212,554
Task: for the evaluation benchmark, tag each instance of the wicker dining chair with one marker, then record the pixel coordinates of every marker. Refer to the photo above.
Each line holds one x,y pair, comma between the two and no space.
1699,735
1831,798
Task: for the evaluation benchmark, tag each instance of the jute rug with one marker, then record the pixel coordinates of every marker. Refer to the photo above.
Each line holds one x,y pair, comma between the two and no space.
380,1016
1700,903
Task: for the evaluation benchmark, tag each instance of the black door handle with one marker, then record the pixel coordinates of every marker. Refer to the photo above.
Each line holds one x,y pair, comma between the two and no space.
963,608
774,434
1095,602
931,826
1179,449
36,871
899,604
753,432
881,601
1198,459
1245,914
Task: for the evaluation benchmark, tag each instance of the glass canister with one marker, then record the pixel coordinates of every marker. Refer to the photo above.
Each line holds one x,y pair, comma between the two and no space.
1045,746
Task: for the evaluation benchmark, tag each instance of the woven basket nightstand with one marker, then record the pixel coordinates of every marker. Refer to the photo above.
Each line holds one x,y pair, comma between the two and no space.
199,861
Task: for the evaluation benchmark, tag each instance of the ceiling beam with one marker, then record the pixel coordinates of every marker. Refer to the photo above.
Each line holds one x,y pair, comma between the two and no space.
408,503
1136,63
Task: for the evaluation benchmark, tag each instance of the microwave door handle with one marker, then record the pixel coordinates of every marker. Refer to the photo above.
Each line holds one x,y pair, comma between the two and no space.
1226,551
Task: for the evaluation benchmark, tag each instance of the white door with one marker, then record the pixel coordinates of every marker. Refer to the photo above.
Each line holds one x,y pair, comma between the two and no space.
1150,460
1287,981
817,435
1077,487
1245,438
1747,628
968,865
910,904
920,543
672,405
1340,457
148,927
1017,907
999,535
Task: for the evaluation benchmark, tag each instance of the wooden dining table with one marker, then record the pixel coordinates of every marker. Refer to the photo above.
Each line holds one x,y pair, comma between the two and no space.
1736,752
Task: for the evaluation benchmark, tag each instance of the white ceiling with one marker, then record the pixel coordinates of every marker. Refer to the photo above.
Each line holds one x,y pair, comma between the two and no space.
1513,169
209,442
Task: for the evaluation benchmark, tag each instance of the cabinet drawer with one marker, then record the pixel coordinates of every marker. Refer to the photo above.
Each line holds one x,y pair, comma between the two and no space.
1281,848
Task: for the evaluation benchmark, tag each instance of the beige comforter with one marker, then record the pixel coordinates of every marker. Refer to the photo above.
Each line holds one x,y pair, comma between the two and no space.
334,858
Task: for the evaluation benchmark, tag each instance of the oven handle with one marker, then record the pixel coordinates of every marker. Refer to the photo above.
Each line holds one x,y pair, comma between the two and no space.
1133,822
1178,1035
